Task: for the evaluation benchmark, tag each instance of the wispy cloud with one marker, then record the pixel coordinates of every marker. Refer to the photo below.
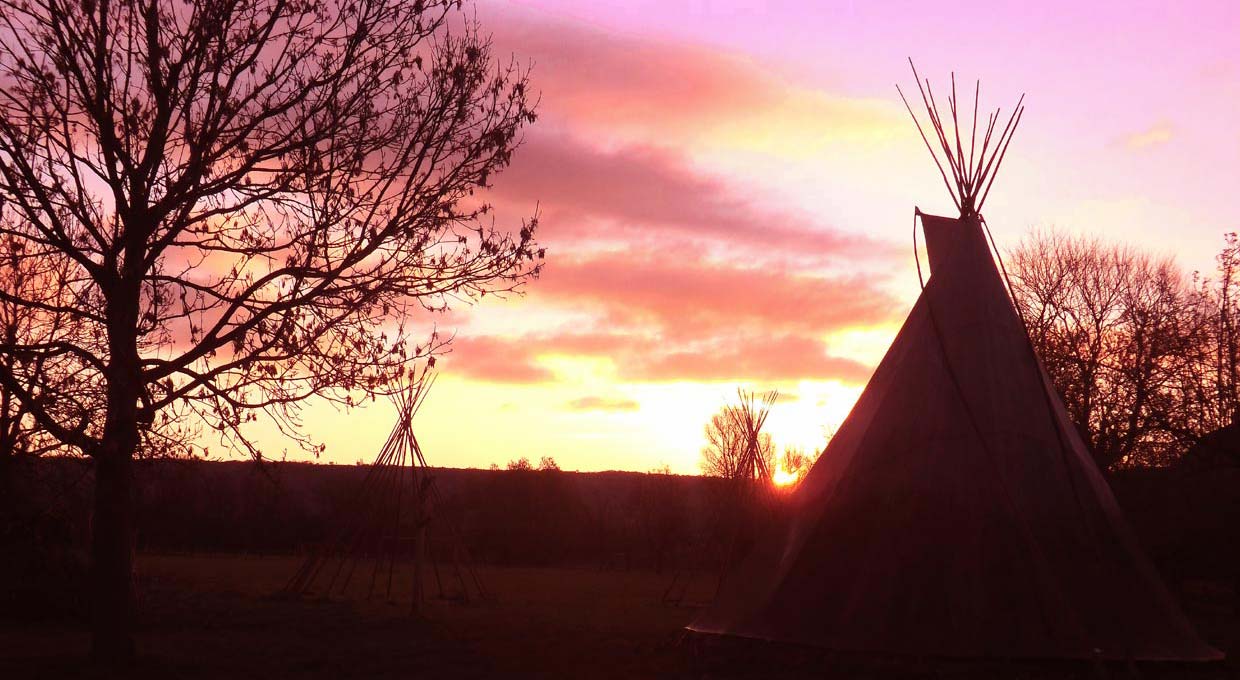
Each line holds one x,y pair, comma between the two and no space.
1156,135
738,357
595,403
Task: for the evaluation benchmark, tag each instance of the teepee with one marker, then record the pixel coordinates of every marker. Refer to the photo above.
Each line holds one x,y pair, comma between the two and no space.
743,496
957,512
395,536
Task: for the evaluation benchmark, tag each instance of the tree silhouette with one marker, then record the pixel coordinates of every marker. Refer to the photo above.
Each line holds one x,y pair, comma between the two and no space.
521,464
34,567
42,278
795,461
548,464
251,196
1208,398
1116,331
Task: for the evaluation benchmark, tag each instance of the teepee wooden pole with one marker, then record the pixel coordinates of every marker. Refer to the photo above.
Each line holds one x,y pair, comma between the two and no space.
972,178
951,191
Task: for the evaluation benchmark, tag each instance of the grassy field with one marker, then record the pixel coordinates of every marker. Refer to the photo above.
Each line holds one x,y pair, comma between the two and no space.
218,616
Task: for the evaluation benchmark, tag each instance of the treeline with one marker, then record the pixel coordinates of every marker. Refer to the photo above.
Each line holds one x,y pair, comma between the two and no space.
519,516
1146,356
1188,518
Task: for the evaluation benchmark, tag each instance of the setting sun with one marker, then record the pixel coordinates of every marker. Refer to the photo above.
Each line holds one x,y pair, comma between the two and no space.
784,478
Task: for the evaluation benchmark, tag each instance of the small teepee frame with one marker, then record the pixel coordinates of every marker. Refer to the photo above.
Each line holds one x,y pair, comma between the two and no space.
392,512
749,490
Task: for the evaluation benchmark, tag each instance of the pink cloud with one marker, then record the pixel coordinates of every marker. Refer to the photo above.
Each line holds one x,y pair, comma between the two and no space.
743,356
680,273
645,192
606,78
685,297
668,316
625,86
494,359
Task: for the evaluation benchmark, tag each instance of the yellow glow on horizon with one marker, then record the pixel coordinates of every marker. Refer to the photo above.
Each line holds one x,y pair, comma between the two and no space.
812,411
867,344
784,478
474,424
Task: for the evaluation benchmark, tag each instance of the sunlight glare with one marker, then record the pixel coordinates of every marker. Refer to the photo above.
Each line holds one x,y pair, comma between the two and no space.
784,478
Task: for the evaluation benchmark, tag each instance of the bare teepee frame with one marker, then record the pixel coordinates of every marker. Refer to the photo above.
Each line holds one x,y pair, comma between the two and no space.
750,417
748,489
389,521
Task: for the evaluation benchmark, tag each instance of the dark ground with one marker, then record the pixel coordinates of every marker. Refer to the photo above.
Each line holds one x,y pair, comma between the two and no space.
217,617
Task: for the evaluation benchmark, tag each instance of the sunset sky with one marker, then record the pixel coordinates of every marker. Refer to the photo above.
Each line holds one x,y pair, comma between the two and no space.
726,193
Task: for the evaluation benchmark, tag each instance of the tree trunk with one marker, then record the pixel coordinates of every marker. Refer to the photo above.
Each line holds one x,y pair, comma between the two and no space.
112,641
112,560
8,508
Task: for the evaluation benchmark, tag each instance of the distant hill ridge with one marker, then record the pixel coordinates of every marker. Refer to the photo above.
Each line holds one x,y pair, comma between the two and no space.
1189,522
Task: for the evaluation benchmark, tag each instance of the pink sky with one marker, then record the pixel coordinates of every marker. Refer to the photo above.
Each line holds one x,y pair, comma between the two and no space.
726,192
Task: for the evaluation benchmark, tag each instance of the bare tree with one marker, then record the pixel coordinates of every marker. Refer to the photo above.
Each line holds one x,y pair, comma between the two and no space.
252,195
796,462
39,277
1208,398
24,504
521,464
548,464
1116,330
1218,378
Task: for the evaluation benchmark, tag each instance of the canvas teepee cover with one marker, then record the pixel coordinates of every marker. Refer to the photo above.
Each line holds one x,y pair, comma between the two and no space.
957,512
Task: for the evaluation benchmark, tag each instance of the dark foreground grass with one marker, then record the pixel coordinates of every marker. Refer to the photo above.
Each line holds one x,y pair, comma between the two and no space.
219,617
